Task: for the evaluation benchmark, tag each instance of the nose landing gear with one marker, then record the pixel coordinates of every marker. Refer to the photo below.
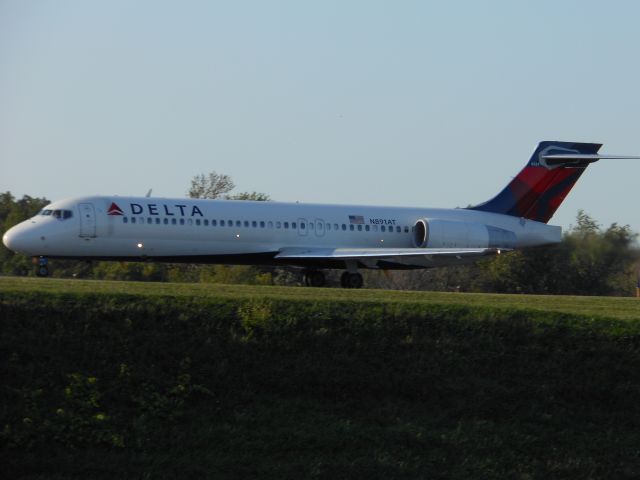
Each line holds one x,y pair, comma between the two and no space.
42,266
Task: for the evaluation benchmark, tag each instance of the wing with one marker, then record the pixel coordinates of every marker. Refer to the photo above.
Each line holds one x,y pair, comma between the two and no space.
387,257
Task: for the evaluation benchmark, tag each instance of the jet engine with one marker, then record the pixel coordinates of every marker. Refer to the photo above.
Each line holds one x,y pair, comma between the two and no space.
436,233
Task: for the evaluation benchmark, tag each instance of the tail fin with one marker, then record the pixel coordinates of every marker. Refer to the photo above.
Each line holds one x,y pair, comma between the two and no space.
539,189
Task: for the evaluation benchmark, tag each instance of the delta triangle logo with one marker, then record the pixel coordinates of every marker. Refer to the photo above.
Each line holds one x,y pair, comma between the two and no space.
114,210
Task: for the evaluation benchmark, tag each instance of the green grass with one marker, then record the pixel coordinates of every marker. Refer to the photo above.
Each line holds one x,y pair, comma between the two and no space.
152,380
594,307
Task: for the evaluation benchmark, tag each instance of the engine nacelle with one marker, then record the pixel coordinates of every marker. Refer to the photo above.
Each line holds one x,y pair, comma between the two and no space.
435,233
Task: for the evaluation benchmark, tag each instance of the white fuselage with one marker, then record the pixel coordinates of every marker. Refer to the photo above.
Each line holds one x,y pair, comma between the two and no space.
224,231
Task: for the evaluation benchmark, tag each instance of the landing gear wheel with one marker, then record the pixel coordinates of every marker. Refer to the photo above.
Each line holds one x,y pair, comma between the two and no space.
314,278
42,269
351,280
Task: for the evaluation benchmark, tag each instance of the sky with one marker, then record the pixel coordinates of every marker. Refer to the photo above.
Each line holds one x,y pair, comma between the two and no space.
405,103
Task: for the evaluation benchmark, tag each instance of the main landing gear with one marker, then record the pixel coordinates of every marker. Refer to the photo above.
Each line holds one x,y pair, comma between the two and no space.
42,266
351,280
316,278
313,278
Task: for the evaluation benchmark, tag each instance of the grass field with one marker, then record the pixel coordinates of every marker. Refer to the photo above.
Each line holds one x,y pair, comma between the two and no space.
598,307
152,380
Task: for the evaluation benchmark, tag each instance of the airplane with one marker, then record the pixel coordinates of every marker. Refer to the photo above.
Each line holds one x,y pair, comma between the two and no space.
311,236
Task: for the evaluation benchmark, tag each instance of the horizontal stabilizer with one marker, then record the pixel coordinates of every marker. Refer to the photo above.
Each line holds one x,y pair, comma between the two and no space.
569,158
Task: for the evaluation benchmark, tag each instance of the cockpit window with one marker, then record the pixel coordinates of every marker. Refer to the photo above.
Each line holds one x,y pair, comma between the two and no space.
59,214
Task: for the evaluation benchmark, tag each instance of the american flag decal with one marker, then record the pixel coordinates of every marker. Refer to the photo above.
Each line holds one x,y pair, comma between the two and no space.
356,219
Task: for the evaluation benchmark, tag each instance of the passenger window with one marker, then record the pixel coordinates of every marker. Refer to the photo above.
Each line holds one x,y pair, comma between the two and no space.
293,225
270,224
230,223
359,228
157,221
214,223
406,229
351,228
197,221
254,224
222,223
262,224
206,222
286,224
238,223
149,220
133,219
328,227
174,221
278,225
303,225
311,226
125,220
375,228
383,228
399,229
182,221
344,227
246,223
166,221
366,227
190,221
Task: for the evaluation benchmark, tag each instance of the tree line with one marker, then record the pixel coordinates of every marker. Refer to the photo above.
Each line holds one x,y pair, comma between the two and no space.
590,260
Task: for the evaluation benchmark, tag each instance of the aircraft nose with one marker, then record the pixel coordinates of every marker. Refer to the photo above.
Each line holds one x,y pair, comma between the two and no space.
18,239
9,239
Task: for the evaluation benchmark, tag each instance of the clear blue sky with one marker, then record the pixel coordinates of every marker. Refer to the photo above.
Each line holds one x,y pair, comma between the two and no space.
412,103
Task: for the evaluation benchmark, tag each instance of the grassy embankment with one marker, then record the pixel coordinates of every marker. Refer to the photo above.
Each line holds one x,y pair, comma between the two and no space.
105,379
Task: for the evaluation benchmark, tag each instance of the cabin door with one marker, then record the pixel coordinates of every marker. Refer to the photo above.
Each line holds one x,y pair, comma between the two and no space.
87,220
